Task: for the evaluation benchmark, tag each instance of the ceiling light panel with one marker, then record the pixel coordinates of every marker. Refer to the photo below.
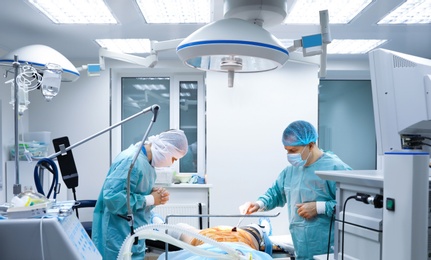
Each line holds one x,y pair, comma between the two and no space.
175,11
126,45
410,12
353,46
340,11
75,11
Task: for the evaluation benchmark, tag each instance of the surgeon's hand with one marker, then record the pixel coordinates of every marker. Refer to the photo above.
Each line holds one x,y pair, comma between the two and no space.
307,210
249,208
161,195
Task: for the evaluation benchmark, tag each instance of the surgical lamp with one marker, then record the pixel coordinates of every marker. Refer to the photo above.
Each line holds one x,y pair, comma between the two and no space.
238,43
232,45
36,66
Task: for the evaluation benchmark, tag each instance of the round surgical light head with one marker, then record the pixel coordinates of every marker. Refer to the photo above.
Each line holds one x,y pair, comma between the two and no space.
232,44
40,56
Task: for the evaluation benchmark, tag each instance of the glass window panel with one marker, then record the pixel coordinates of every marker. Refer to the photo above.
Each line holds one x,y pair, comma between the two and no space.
138,93
188,103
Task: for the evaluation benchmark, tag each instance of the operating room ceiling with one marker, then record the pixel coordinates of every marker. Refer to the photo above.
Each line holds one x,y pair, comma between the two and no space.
21,25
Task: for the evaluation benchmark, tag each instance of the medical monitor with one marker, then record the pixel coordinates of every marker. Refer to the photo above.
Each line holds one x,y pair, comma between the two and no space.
401,85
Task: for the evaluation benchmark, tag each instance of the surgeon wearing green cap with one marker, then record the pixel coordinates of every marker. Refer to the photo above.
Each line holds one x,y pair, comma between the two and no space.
310,200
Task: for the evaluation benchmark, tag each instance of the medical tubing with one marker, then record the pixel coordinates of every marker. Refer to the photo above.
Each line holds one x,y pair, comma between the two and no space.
344,217
202,238
54,171
41,238
149,231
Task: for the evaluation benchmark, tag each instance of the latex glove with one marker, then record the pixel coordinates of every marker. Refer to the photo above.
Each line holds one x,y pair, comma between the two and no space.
307,210
161,195
249,208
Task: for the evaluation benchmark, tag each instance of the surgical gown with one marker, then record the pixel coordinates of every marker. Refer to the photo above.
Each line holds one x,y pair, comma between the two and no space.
300,184
110,230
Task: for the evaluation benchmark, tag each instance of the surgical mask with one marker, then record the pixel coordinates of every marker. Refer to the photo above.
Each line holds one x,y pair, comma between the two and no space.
160,158
296,158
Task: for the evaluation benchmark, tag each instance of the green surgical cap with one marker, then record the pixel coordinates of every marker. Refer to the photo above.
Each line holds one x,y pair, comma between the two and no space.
299,133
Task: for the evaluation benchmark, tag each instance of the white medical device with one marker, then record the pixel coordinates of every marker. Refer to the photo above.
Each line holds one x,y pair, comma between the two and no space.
46,238
399,227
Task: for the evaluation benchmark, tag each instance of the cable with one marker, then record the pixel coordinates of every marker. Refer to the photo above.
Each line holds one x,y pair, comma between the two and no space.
329,237
41,238
74,197
344,217
50,165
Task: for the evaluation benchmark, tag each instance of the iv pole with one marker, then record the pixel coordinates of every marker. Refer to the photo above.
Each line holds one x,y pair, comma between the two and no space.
17,185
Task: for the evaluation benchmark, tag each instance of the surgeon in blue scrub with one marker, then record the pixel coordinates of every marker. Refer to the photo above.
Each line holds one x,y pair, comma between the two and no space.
310,199
109,228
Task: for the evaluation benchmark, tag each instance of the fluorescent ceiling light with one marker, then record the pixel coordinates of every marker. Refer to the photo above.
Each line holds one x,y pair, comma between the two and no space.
353,46
75,11
175,11
126,45
412,11
340,11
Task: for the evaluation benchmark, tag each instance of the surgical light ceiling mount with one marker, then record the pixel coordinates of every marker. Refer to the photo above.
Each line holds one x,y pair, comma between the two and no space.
238,43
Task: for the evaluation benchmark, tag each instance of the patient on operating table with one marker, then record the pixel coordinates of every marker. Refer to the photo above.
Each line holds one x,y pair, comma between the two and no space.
251,235
246,240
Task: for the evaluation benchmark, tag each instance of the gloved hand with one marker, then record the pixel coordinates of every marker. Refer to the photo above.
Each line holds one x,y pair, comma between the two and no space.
307,210
161,195
249,208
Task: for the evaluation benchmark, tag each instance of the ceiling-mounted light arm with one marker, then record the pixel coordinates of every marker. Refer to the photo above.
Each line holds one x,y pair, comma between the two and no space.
148,62
326,39
157,46
316,44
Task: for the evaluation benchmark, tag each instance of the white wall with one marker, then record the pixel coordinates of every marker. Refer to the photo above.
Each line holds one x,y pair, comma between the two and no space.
244,128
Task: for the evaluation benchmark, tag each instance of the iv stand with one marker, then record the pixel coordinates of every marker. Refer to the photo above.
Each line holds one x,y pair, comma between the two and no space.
17,185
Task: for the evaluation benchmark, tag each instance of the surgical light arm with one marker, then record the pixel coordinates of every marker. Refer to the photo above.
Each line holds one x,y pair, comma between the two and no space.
316,44
149,62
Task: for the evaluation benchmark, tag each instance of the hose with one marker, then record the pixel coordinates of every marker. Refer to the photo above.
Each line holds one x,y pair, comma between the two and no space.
153,232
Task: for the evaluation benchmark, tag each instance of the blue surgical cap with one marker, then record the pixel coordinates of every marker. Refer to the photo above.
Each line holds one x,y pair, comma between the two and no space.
299,133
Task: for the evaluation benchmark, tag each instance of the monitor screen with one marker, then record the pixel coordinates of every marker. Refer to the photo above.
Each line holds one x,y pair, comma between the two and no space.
401,86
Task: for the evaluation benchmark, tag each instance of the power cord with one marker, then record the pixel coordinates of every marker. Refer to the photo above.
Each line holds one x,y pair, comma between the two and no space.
329,237
377,201
344,217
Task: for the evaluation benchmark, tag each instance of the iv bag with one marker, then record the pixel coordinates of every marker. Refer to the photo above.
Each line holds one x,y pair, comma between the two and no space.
22,98
51,80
